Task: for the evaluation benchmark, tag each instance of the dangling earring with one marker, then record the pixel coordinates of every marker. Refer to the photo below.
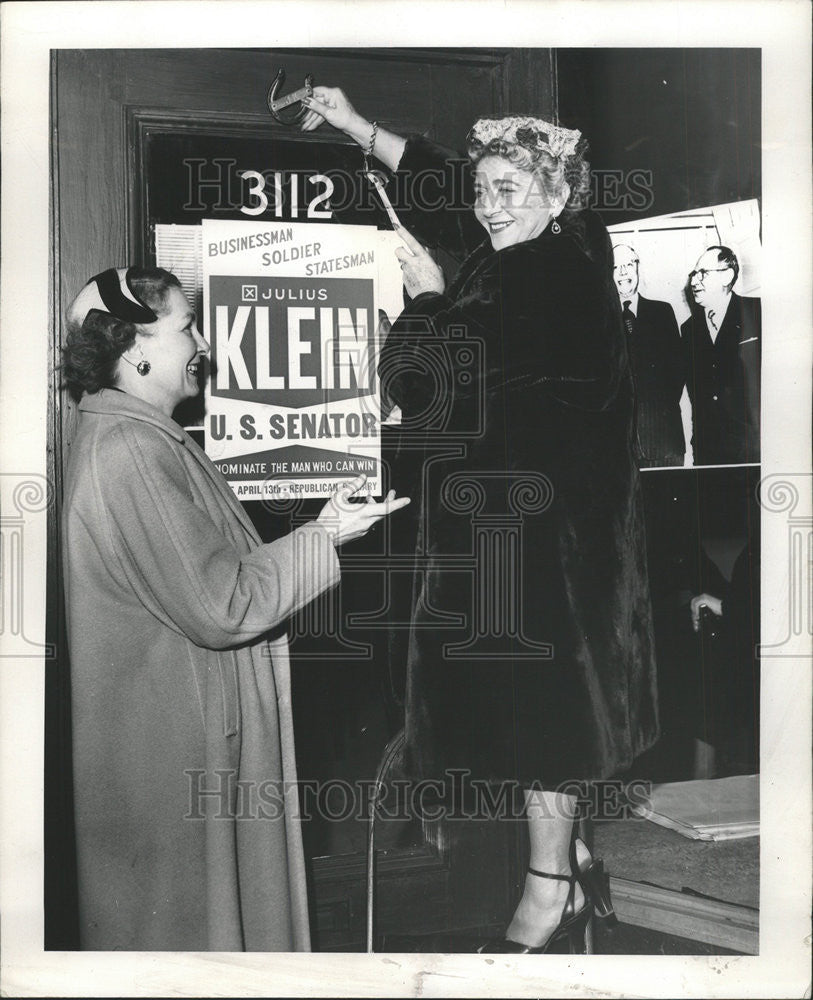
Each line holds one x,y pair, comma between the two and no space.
555,228
143,367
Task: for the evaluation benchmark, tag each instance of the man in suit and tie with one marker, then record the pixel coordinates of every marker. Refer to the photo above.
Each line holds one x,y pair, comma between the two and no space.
657,362
722,341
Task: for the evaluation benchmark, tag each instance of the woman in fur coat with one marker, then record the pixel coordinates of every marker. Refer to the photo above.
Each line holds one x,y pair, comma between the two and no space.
183,754
531,531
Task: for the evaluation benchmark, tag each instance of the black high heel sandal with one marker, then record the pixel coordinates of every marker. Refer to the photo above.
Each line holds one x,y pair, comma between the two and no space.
571,927
572,922
596,885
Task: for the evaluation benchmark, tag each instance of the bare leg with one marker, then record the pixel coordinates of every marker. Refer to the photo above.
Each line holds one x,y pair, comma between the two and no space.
550,822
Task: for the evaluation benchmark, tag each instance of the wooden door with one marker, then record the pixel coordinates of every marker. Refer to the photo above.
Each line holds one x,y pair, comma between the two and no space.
111,110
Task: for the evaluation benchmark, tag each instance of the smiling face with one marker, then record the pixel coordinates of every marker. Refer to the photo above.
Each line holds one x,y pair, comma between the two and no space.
174,349
625,271
710,279
510,203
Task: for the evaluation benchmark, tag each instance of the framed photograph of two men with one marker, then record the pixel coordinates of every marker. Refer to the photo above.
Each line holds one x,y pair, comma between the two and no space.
405,485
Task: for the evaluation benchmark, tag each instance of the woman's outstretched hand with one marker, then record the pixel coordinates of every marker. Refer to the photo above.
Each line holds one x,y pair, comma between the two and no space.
421,273
329,104
346,520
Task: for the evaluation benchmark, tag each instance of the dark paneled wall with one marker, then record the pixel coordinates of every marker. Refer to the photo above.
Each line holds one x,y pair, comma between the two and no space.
691,117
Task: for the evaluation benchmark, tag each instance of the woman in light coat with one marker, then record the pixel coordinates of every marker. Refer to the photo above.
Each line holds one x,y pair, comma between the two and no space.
184,771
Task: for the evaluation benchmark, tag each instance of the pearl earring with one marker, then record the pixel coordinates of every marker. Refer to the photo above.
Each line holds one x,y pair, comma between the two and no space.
143,367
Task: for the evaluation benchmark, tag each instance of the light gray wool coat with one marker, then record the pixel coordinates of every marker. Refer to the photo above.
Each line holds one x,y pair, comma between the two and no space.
177,689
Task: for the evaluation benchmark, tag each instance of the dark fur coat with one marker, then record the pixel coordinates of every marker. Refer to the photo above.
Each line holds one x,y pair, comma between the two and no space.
530,652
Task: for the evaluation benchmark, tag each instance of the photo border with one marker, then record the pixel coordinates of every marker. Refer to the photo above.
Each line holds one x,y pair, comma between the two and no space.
782,30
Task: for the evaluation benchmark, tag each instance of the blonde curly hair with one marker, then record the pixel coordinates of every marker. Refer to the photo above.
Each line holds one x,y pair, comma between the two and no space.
554,172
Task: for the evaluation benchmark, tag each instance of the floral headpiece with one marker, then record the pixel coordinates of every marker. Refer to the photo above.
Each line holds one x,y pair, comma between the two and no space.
533,133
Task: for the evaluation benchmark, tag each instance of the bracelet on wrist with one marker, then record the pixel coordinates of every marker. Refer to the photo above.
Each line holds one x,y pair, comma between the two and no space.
368,152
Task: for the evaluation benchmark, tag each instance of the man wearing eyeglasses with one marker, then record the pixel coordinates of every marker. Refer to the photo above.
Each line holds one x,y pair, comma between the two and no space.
722,341
657,363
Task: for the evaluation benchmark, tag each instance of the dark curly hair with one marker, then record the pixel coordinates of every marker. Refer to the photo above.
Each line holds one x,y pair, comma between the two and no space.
553,171
92,349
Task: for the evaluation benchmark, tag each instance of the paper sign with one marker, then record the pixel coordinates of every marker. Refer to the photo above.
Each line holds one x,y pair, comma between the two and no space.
294,315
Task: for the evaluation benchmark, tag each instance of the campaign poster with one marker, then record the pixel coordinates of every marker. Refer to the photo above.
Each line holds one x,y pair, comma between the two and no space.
295,314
